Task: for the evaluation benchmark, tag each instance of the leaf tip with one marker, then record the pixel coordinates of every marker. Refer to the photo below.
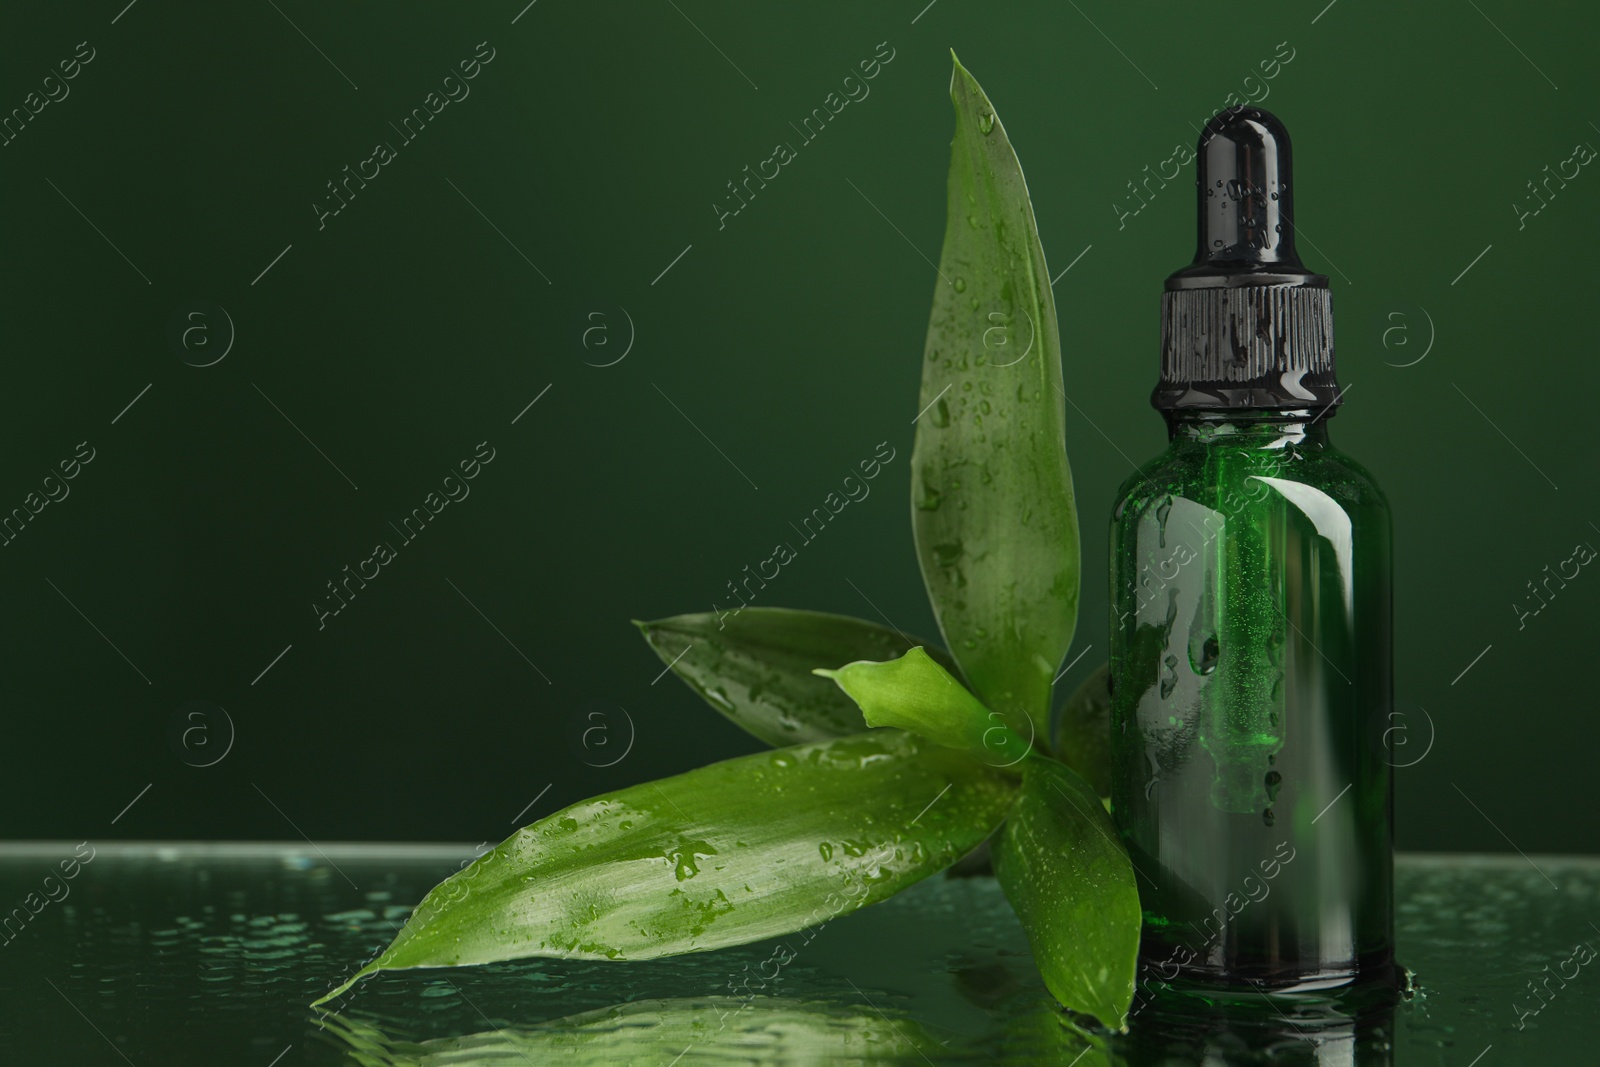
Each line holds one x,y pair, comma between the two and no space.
961,77
343,987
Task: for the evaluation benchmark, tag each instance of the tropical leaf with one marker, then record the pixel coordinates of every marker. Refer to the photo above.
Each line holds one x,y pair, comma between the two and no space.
993,514
1072,886
916,694
1083,731
755,666
734,852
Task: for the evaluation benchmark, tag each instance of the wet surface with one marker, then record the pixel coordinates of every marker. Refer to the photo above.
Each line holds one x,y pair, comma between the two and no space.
210,955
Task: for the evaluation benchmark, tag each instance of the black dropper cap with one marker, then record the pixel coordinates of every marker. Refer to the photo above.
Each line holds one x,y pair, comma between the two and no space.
1246,325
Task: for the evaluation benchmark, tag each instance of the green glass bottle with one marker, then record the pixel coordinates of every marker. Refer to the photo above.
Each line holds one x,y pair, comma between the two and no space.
1251,651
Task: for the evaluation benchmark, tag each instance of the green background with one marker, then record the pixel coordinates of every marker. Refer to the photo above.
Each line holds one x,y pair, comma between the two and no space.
463,687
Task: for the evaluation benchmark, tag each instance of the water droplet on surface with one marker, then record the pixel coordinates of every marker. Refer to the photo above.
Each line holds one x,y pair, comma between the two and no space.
986,123
1273,782
946,555
1268,816
826,850
1163,509
960,284
1204,651
941,413
686,856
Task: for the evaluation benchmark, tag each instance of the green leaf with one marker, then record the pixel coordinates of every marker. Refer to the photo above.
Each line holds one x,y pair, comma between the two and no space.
741,850
1083,731
1072,886
916,694
991,492
755,666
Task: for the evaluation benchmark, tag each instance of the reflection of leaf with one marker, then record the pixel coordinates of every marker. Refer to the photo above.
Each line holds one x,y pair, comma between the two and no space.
1043,1034
916,694
755,666
684,1031
1072,886
993,514
748,848
1083,731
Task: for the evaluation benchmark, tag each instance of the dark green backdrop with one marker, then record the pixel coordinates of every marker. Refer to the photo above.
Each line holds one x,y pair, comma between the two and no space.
490,667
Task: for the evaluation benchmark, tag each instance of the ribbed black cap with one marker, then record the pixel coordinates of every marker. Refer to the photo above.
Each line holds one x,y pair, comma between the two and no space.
1246,325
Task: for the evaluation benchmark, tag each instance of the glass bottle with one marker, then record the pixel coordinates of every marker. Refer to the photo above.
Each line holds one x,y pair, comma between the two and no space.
1251,650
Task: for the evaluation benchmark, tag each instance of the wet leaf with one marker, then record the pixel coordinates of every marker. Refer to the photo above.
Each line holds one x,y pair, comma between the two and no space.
755,666
993,513
916,694
1072,886
749,848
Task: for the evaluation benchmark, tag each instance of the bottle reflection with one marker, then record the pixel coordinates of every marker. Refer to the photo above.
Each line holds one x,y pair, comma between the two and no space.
1300,1030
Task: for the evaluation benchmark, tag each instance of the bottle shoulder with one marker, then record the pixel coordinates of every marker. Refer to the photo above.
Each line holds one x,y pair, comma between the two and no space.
1205,472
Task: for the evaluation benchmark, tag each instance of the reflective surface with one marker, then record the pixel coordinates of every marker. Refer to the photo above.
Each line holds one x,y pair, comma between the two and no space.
209,955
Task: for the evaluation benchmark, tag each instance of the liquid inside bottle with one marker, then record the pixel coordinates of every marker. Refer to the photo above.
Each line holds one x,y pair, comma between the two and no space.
1251,681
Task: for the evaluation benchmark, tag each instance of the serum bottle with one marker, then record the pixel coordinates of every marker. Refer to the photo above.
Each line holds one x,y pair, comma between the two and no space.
1251,659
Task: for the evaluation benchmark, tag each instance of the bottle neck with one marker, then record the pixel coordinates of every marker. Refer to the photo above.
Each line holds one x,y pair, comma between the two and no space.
1249,429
